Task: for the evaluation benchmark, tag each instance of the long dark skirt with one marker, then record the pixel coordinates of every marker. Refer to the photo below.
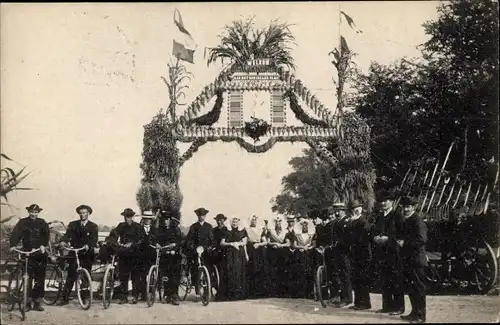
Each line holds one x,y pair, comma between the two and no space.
257,272
278,260
234,281
303,281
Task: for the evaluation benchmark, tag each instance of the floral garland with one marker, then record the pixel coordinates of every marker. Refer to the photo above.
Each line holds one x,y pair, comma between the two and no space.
212,116
299,112
190,152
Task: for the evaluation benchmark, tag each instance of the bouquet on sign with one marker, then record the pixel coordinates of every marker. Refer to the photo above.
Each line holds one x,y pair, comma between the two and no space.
256,128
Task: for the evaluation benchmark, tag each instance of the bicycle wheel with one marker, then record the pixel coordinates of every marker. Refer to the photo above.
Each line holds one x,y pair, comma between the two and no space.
108,286
216,281
204,285
54,286
13,289
84,294
151,284
321,285
185,283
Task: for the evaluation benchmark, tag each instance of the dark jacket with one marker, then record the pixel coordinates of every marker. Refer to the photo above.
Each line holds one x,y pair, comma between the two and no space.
79,236
414,234
32,232
358,238
200,235
219,233
324,235
125,233
389,226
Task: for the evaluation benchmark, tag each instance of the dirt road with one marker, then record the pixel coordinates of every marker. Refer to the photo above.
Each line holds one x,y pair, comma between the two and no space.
441,309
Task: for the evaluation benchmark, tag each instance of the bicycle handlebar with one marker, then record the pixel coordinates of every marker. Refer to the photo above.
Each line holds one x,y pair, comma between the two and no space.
26,253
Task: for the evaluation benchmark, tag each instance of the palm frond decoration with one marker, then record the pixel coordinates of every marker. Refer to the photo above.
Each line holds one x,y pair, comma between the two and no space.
241,42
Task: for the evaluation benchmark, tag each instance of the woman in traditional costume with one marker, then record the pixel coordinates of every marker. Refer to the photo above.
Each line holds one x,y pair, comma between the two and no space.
279,243
303,245
234,261
257,271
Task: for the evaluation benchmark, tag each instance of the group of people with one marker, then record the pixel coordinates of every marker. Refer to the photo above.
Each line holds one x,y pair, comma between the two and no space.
259,260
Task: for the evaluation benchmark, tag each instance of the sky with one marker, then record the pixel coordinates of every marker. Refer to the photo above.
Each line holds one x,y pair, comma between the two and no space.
79,81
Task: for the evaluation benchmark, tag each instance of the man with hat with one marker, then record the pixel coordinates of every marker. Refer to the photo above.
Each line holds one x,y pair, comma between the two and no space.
200,234
358,237
387,225
412,239
80,233
148,254
341,261
128,237
169,234
33,232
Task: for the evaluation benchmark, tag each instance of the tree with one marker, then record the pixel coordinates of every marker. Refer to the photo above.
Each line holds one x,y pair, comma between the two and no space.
416,108
242,42
10,183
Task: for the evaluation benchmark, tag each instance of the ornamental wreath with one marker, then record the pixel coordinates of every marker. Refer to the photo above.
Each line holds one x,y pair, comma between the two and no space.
256,128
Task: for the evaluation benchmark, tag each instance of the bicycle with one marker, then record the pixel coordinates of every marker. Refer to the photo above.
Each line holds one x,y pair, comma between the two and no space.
19,293
152,284
202,278
108,282
82,275
321,281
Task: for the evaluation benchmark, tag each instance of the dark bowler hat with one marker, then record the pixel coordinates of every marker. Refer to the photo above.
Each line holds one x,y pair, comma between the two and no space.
128,212
83,206
34,207
323,214
201,212
220,216
355,204
408,200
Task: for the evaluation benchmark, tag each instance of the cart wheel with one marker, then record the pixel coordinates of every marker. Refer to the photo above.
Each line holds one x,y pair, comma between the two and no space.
321,285
151,285
185,283
483,267
204,285
108,286
84,294
53,290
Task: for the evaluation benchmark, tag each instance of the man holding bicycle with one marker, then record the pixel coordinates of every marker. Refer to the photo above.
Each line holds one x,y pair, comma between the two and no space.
200,234
81,233
33,232
168,235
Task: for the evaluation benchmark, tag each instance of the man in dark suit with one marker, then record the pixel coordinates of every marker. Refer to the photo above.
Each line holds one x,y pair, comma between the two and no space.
80,233
387,256
127,237
412,240
147,253
34,234
169,234
359,238
200,234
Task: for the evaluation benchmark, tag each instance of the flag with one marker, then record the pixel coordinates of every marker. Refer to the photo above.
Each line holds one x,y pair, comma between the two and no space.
182,53
343,45
351,23
183,44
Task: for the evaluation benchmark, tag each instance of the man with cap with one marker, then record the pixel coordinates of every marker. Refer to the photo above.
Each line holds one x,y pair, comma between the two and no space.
148,254
169,234
291,260
33,232
412,239
387,225
341,260
200,234
359,239
128,237
80,233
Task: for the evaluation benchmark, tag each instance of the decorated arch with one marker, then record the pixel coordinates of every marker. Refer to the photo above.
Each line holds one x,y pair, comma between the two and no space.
256,105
